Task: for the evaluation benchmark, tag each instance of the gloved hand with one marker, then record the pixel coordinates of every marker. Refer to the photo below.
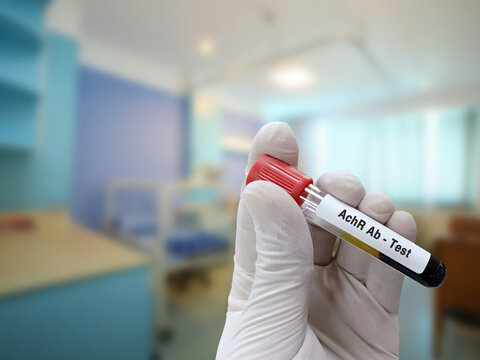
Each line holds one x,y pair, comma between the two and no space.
290,299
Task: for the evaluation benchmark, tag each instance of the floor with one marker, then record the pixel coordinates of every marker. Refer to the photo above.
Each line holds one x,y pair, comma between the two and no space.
416,322
197,315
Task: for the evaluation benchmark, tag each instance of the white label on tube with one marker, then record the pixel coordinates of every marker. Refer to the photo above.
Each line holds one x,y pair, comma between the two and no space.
372,233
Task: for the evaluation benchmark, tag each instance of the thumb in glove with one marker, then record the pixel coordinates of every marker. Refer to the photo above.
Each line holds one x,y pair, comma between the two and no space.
268,303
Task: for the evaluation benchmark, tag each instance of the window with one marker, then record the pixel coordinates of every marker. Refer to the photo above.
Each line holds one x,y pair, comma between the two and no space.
420,159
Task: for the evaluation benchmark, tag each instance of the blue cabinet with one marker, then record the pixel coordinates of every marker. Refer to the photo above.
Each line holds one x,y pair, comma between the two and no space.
106,317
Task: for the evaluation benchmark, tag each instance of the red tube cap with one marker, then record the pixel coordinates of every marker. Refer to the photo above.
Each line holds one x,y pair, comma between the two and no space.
282,174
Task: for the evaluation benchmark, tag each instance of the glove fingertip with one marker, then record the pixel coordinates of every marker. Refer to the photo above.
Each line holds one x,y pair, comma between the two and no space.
276,139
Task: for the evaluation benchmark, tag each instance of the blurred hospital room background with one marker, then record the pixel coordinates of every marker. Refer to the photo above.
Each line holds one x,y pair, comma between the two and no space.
124,135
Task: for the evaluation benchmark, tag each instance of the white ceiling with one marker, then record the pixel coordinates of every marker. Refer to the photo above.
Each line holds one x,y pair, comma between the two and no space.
420,45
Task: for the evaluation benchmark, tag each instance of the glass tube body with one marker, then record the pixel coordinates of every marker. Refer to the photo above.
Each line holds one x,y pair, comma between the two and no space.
434,273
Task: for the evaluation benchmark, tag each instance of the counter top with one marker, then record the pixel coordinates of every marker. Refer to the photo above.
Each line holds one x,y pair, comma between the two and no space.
57,251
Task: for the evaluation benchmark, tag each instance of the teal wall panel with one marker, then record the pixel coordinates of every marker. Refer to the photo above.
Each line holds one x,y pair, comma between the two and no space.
41,177
52,165
108,317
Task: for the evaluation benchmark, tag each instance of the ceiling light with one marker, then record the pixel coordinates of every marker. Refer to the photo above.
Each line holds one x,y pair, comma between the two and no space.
206,46
292,77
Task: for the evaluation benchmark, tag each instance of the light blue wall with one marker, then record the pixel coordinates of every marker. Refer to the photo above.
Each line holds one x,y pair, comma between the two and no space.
53,163
124,131
108,317
237,125
206,131
41,177
209,124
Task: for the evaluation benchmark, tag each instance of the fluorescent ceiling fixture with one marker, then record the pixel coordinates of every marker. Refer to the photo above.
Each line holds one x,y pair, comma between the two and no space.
206,46
292,77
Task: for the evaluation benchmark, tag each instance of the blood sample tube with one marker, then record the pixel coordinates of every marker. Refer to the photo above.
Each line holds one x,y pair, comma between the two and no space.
325,211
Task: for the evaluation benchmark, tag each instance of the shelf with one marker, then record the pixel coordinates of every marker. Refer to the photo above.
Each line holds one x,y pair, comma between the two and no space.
16,135
16,31
20,148
9,88
17,126
21,46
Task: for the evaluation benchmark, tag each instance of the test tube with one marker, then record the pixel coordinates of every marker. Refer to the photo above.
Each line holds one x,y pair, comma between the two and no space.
325,211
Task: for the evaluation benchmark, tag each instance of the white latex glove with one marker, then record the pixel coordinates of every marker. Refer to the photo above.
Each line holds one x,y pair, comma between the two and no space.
290,299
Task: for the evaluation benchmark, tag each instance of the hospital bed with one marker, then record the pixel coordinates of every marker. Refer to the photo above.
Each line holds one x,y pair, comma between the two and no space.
185,225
